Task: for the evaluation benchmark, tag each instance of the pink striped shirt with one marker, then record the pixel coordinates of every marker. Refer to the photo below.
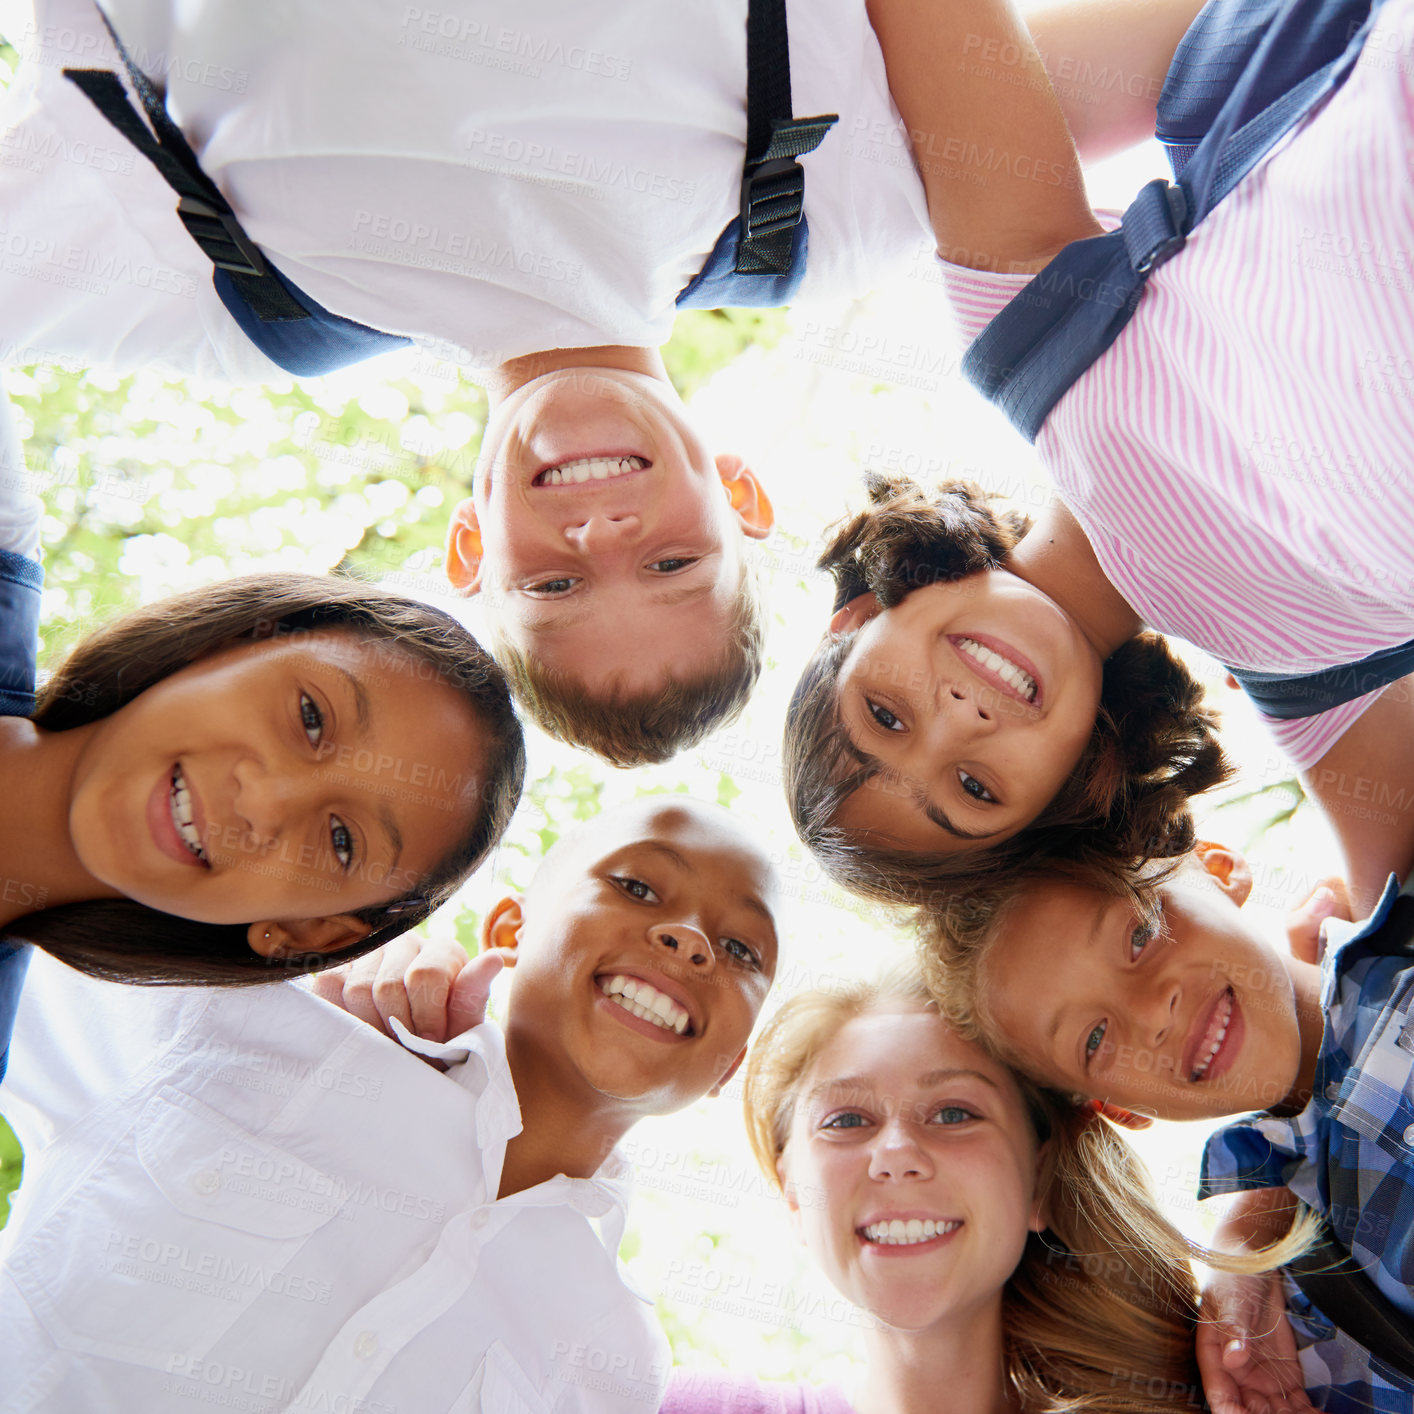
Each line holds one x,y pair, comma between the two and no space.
1241,457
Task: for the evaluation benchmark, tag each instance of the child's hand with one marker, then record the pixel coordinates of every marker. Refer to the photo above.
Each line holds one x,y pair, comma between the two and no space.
431,987
1329,899
1246,1351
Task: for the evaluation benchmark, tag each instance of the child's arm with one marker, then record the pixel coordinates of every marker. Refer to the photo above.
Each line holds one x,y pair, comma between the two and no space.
1362,783
1107,60
998,166
1246,1351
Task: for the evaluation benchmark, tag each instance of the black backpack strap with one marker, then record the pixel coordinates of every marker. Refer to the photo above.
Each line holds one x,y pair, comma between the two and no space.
1308,694
1051,332
1335,1283
205,213
773,182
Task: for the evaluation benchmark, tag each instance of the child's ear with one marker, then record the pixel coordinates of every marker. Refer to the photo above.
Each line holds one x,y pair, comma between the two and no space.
854,615
1229,868
306,935
502,928
731,1071
749,501
464,549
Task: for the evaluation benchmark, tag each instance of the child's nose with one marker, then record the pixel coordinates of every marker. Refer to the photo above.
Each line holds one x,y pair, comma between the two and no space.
687,943
597,533
267,800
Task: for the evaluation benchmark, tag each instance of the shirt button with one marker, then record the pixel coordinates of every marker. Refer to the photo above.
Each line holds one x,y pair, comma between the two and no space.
207,1181
1333,1090
1409,1134
480,1218
365,1345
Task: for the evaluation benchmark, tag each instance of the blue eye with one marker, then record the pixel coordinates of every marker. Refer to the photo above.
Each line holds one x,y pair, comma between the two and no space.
954,1114
883,716
1094,1041
976,789
311,719
845,1119
1140,938
673,565
552,587
342,841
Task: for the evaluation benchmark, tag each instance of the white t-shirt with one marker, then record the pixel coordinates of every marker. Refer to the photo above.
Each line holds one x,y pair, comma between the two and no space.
496,179
246,1199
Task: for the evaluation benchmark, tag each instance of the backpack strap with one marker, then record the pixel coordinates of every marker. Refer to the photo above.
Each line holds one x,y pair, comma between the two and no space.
285,324
1028,357
1308,694
773,182
1340,1288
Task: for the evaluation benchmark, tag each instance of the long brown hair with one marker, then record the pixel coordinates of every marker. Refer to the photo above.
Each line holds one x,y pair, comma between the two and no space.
1100,1312
124,941
1154,744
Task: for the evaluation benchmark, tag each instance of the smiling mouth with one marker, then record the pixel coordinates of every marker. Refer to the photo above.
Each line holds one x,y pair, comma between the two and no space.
908,1232
1013,675
179,803
647,1003
582,469
1213,1036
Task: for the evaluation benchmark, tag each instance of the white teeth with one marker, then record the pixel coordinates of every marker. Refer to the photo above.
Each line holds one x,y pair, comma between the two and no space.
900,1232
179,802
1224,1011
1004,668
590,469
648,1003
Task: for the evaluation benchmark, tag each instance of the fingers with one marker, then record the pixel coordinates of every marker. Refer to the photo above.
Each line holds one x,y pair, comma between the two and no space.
466,1006
425,986
1304,924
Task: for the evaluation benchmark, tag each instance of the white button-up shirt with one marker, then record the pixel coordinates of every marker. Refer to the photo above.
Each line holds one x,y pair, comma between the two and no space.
248,1200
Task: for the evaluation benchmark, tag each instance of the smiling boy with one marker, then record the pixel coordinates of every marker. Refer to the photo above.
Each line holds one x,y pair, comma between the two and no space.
606,546
187,1156
1189,1013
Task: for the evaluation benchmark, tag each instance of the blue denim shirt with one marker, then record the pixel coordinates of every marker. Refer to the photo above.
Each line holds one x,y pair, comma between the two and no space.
20,582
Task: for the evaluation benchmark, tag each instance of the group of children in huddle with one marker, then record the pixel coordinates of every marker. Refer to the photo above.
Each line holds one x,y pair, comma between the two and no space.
992,736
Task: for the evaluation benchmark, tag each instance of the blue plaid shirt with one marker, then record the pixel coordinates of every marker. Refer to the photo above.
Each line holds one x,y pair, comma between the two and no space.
1350,1153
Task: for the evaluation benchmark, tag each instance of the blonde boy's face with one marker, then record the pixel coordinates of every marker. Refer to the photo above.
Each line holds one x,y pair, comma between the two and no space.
1192,1018
645,948
604,537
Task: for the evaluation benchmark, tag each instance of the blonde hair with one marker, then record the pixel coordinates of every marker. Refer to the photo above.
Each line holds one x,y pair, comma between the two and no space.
646,728
1100,1313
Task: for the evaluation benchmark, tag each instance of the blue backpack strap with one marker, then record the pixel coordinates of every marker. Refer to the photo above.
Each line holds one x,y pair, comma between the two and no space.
21,581
287,326
719,285
14,961
1028,357
1288,697
1215,52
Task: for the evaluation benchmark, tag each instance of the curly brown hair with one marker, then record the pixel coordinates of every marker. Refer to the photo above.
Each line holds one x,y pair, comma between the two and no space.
1153,747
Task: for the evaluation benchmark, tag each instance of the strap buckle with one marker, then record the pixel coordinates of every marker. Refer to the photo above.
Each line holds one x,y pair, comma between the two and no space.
1153,226
219,234
772,197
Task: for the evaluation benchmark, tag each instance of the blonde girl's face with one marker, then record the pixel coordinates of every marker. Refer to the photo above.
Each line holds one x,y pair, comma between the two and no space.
910,1169
302,777
971,702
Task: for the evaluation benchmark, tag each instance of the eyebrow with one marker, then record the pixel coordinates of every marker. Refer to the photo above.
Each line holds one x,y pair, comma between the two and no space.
924,1082
916,793
362,712
551,623
363,716
1095,920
